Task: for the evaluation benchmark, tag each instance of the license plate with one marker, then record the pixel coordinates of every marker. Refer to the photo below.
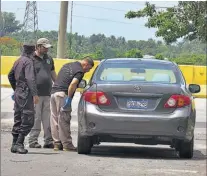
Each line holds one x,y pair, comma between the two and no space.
137,104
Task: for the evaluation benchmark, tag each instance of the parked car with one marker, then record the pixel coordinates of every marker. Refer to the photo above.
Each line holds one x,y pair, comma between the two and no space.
141,101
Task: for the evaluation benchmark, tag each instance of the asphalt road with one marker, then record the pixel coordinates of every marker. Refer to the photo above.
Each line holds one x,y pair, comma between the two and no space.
106,159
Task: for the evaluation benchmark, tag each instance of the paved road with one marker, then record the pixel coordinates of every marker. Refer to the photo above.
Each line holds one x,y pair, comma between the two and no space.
106,159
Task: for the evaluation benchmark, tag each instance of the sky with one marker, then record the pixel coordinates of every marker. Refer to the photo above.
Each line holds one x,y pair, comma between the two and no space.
91,17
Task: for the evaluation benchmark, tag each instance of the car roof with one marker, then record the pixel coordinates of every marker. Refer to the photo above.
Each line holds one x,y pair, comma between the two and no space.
121,60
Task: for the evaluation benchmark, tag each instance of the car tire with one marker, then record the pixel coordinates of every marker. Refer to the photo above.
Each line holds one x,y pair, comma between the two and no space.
186,149
84,145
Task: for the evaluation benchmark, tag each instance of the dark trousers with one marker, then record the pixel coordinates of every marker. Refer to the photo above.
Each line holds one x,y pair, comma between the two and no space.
23,112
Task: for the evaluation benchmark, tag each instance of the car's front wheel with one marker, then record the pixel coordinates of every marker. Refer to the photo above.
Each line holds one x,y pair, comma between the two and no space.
186,149
84,145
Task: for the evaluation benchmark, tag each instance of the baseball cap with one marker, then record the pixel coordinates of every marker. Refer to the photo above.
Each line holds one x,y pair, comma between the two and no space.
44,42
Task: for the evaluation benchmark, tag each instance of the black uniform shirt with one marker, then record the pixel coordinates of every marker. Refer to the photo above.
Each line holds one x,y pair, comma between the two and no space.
22,75
43,67
66,75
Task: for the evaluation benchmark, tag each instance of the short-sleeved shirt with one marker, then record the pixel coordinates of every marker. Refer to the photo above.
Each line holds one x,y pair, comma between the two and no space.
66,75
43,67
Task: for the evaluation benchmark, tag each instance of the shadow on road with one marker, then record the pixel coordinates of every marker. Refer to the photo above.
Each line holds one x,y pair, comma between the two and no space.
141,153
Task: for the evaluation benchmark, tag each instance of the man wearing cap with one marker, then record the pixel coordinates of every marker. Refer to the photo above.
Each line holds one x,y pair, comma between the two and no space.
45,75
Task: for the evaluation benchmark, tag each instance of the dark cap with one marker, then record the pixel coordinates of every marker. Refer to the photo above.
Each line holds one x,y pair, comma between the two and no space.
28,48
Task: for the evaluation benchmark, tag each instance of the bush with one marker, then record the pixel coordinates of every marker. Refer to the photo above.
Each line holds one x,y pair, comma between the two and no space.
134,53
159,56
190,60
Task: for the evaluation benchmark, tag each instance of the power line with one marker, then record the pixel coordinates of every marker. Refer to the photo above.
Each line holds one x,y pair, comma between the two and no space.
79,16
137,3
134,3
112,9
100,7
101,19
120,10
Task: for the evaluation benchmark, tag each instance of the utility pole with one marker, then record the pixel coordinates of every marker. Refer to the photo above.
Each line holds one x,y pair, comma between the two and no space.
30,23
62,29
71,24
1,27
1,22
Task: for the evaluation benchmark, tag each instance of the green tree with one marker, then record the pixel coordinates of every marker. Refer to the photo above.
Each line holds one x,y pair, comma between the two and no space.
187,20
9,24
159,56
9,46
99,54
110,47
134,53
186,59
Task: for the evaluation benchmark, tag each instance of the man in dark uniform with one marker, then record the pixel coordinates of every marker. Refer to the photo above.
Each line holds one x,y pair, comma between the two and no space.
63,91
22,80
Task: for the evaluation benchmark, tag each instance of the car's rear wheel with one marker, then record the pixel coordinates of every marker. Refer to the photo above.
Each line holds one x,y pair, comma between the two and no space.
84,145
186,149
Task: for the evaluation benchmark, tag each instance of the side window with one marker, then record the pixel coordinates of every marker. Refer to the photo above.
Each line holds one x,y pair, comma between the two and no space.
183,81
92,76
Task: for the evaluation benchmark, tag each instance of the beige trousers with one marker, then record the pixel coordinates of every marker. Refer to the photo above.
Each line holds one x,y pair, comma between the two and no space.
60,120
42,115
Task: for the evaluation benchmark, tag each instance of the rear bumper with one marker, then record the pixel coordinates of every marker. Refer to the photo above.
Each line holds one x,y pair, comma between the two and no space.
178,125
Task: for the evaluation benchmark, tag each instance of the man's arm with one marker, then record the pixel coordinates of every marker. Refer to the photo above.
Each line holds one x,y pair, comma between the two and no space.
72,88
11,78
30,77
53,73
74,84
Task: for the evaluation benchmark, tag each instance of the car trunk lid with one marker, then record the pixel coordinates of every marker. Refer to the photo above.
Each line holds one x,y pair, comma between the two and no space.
130,97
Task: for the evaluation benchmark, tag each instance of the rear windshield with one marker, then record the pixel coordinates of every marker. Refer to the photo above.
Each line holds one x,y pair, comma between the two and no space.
157,73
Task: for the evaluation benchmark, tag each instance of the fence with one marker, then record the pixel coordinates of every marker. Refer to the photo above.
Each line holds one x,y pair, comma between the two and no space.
192,74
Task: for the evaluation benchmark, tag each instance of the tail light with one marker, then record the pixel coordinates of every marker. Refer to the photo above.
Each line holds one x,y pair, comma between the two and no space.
177,101
97,98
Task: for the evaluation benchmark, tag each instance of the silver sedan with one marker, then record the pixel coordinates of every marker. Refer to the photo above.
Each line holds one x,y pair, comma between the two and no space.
141,101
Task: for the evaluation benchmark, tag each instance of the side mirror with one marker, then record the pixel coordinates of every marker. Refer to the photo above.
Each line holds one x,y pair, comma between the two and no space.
82,84
194,88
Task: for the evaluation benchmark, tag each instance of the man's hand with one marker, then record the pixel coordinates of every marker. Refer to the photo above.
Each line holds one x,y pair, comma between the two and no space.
67,104
35,99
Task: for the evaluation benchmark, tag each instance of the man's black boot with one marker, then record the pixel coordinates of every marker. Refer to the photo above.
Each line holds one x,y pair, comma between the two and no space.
15,137
19,147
